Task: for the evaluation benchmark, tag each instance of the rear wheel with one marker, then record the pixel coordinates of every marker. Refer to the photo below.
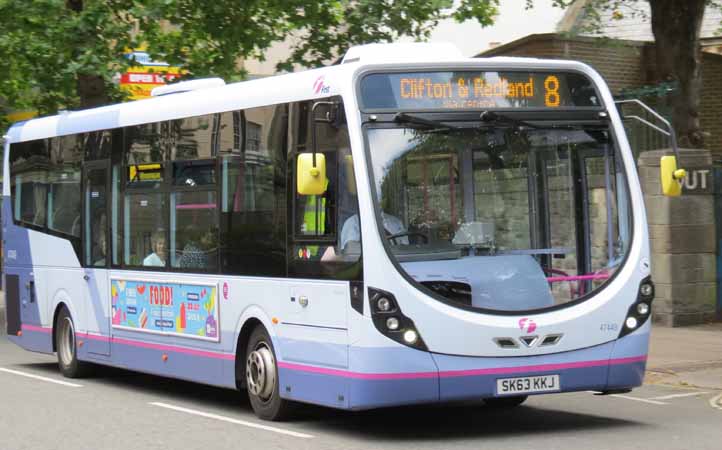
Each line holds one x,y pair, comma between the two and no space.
505,402
262,378
66,346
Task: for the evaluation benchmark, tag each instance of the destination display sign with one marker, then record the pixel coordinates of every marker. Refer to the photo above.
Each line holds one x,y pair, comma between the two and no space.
477,90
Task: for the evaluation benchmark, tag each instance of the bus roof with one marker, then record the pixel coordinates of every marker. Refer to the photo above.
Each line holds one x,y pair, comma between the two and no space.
306,85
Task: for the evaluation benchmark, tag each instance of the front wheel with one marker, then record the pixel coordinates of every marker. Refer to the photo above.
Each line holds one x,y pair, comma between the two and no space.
66,346
505,402
262,378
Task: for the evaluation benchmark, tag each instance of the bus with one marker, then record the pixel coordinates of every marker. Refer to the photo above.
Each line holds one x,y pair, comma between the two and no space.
408,226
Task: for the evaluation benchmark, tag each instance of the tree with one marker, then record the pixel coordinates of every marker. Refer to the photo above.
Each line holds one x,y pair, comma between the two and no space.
63,54
676,26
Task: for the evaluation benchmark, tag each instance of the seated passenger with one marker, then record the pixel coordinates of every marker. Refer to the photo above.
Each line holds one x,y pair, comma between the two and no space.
157,243
193,256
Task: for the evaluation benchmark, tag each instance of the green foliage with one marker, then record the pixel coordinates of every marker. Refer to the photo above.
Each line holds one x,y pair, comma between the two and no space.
50,47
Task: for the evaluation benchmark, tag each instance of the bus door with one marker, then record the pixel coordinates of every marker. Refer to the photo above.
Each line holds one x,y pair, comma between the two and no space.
96,255
601,202
556,204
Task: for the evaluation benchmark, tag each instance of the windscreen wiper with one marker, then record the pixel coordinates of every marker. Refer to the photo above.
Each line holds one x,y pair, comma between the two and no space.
492,117
416,120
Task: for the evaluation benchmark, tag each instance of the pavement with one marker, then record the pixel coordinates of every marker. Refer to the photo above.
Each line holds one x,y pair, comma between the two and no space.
686,356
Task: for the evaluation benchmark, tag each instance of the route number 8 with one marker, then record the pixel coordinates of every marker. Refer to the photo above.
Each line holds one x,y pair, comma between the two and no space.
551,85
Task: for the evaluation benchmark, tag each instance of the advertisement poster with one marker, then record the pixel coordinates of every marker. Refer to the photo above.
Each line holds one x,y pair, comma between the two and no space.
146,74
189,310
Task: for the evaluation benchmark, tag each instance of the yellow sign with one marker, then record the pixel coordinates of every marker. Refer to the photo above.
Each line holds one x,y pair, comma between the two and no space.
140,80
479,88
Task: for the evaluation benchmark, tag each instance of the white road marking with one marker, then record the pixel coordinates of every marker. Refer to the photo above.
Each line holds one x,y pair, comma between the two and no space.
636,399
38,377
234,421
716,402
688,394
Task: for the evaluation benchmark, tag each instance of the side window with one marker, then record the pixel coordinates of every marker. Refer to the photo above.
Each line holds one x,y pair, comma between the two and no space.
66,154
29,170
148,143
115,235
253,192
145,215
145,229
96,222
194,216
326,231
195,137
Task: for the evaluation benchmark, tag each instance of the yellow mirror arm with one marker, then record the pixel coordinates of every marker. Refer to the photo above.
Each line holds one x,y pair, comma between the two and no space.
679,174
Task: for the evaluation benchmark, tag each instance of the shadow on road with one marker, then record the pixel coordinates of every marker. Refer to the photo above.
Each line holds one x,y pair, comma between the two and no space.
445,422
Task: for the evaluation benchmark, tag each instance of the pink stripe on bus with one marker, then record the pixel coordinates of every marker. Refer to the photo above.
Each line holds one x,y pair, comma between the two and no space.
461,373
598,276
172,348
37,329
196,206
358,375
134,343
95,337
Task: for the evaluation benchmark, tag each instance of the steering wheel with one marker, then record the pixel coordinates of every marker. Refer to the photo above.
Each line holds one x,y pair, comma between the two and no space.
392,237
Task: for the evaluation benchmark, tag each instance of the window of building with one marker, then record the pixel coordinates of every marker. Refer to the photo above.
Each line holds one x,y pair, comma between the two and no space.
194,137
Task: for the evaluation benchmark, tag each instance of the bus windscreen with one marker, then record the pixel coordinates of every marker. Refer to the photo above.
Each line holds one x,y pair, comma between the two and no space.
476,90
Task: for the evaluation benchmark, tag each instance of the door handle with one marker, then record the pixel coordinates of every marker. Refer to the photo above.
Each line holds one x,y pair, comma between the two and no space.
86,277
30,285
303,301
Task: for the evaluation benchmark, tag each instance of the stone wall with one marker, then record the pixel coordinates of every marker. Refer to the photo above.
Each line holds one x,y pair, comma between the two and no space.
682,240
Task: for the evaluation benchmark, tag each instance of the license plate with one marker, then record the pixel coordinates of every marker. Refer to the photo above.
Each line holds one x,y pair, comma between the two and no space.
527,385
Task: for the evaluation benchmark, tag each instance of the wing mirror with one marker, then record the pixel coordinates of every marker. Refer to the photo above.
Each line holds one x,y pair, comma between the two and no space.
311,174
670,176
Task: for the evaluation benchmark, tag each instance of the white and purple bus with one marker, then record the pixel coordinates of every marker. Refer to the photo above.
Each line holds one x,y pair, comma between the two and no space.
217,235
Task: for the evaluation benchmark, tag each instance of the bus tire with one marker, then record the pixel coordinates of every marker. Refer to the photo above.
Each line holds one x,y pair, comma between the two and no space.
262,378
505,402
66,346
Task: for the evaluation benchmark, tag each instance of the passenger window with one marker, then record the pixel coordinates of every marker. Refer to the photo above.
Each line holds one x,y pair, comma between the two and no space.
145,240
193,174
147,143
29,165
253,195
97,145
96,221
230,132
115,235
64,185
194,231
195,137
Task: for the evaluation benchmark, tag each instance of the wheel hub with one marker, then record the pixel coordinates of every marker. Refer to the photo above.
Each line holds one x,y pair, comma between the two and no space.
67,341
261,372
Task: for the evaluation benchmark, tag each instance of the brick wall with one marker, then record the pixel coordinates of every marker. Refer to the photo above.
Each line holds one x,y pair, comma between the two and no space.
711,103
625,65
619,62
